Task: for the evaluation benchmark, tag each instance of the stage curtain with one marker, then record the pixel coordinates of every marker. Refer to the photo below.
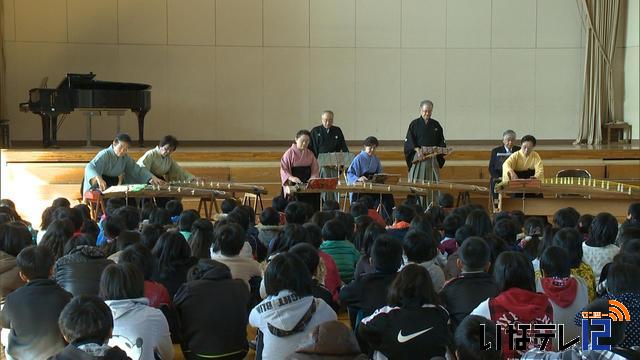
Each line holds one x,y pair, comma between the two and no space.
600,20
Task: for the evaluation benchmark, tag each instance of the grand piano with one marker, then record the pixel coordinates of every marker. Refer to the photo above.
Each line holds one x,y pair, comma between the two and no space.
82,92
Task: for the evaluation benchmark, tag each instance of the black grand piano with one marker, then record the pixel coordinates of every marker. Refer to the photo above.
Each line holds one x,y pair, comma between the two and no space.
81,91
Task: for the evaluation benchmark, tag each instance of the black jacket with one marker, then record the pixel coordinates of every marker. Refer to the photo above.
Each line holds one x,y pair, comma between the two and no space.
366,294
213,313
495,162
31,312
420,134
463,294
323,142
79,271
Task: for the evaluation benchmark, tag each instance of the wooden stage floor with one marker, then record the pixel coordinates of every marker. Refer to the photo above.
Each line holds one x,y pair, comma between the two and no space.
32,177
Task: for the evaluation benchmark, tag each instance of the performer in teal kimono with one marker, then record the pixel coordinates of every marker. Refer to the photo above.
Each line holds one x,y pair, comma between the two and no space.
113,165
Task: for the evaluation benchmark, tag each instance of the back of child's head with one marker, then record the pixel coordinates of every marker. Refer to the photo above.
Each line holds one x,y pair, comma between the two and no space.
631,246
86,318
14,237
308,254
61,202
84,211
571,241
403,213
35,262
514,270
201,239
367,201
174,207
421,222
160,216
361,224
78,240
436,215
147,208
450,225
554,262
419,246
113,204
480,222
386,254
584,223
445,200
140,256
506,230
604,230
370,234
296,213
279,203
474,254
121,281
127,238
501,215
321,217
463,233
72,214
130,217
230,239
566,217
314,233
471,336
412,288
57,235
150,234
623,274
633,213
348,221
334,230
358,209
287,272
627,231
187,218
228,205
169,248
519,217
330,205
270,217
46,217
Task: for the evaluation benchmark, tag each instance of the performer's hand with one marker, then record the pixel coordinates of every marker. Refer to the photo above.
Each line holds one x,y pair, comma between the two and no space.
156,181
101,183
513,175
362,179
295,180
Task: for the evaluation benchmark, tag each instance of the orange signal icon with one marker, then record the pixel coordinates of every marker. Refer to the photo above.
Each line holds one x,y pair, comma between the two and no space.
618,311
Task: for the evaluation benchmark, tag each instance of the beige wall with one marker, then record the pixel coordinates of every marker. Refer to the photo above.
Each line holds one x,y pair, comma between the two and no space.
261,69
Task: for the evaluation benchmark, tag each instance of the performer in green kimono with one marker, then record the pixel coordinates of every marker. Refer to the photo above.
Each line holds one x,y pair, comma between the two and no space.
160,163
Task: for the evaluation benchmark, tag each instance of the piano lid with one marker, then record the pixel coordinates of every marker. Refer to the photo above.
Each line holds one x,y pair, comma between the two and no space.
87,82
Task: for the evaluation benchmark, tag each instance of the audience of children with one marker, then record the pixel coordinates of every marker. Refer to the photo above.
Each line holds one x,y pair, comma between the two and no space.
454,268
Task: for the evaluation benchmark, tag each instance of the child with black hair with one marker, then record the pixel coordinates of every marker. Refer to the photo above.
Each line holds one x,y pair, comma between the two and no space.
600,248
160,216
13,238
567,294
230,239
370,203
402,216
290,312
269,226
450,225
212,308
201,238
517,302
464,293
228,205
58,233
364,263
451,270
421,248
140,256
110,207
445,201
86,324
134,321
471,336
187,218
173,260
532,240
32,311
280,203
412,323
331,275
341,250
130,217
507,231
566,217
368,293
309,256
175,208
125,239
150,234
330,205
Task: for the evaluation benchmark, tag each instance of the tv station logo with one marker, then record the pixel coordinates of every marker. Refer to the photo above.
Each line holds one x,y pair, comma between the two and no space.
522,337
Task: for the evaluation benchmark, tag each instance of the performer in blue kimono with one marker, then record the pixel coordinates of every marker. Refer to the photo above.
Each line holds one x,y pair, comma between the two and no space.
363,167
113,165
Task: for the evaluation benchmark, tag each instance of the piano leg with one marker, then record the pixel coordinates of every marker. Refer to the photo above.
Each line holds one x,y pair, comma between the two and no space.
141,115
46,130
54,129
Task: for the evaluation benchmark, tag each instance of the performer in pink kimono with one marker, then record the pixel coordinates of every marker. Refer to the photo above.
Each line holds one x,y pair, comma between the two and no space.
297,166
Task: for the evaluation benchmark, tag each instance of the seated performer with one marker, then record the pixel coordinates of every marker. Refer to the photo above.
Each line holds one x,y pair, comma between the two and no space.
327,138
498,156
112,166
159,162
297,166
524,164
363,167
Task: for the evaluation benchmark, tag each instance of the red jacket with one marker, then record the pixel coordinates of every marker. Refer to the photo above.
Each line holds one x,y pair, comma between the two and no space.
332,277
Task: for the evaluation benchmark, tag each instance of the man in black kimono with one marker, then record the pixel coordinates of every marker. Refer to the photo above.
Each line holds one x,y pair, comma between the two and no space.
424,132
498,156
327,138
